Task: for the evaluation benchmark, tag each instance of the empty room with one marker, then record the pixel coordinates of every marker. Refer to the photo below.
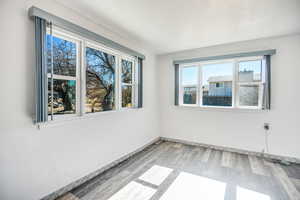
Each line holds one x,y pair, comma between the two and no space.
150,100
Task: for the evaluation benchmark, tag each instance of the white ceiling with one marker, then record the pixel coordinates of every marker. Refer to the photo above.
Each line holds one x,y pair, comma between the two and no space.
174,25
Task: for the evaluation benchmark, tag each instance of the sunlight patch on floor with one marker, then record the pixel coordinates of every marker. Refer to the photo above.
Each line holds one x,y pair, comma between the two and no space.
134,191
156,175
245,194
193,187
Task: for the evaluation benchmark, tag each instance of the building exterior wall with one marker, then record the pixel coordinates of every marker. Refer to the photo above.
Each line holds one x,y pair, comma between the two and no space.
224,90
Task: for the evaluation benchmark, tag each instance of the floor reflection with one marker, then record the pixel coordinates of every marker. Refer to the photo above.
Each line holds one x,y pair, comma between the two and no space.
186,186
245,194
178,172
193,187
156,175
133,191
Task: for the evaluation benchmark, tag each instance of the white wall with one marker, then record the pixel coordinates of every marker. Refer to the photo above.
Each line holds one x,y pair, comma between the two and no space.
239,129
35,163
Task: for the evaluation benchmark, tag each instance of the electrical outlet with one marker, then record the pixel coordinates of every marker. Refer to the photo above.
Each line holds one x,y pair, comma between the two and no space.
266,126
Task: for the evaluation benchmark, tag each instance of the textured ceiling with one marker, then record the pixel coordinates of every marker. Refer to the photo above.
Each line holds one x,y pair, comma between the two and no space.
174,25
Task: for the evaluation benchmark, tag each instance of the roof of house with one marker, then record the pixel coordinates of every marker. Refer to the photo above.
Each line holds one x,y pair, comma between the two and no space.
228,78
220,78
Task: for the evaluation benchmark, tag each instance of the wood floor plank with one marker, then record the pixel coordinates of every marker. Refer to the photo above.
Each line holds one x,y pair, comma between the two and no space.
228,159
242,163
103,191
257,166
68,196
283,178
138,179
230,192
165,185
215,159
100,179
293,170
206,155
296,183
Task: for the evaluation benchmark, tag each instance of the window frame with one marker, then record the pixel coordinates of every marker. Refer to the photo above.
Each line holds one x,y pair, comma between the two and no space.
80,78
68,37
235,83
133,83
181,86
98,47
258,83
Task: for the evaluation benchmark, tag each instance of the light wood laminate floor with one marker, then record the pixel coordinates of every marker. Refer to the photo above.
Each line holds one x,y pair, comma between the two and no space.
173,171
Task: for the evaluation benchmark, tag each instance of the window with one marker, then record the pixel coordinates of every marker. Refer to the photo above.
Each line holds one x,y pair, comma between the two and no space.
62,75
226,83
217,84
189,85
249,83
100,80
127,83
86,77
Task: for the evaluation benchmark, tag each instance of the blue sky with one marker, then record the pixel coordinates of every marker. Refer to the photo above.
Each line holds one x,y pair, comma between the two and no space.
250,66
223,69
189,74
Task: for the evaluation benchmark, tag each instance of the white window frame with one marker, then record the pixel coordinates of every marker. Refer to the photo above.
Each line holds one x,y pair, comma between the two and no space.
62,35
201,64
235,83
257,83
81,44
98,47
133,83
182,86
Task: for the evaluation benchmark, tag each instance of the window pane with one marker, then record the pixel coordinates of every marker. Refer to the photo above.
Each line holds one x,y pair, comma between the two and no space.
126,96
100,81
126,71
250,71
64,96
248,95
217,84
189,95
189,75
64,56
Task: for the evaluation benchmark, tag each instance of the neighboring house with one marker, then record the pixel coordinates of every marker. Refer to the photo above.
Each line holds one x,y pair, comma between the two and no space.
205,90
222,85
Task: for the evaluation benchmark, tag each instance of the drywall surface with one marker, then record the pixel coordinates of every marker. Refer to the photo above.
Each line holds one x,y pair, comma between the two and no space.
35,162
239,128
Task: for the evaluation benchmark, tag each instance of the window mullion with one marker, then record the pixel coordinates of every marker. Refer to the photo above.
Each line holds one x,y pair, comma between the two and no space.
83,79
118,83
132,84
52,60
260,94
180,96
77,78
234,84
136,84
200,89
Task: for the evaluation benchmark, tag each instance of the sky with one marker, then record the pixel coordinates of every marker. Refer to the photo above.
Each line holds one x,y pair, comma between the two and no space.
190,74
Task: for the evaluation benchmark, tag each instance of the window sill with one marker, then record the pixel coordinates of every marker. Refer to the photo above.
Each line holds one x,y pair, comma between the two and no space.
221,109
69,119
